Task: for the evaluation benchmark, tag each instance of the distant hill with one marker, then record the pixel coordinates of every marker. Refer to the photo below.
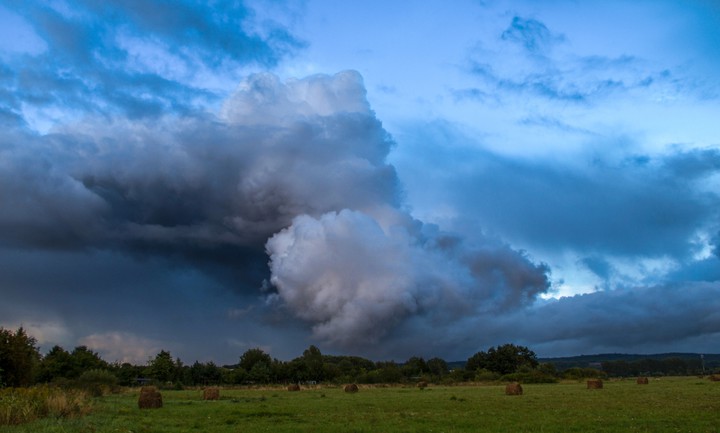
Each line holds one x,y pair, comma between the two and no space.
712,361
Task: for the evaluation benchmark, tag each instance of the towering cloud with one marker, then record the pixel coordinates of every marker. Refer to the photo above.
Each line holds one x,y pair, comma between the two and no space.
355,277
301,163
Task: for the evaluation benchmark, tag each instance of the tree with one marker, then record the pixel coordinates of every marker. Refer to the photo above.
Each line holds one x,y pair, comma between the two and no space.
437,367
84,359
205,374
386,372
162,368
258,365
260,373
477,361
414,367
508,358
56,364
252,357
19,357
313,360
127,373
504,359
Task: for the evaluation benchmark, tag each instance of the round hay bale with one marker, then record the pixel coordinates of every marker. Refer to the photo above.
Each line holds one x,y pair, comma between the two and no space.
715,377
594,384
150,398
294,387
422,384
513,389
351,388
212,393
642,380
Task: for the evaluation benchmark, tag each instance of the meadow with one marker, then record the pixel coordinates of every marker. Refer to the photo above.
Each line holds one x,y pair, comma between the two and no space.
665,405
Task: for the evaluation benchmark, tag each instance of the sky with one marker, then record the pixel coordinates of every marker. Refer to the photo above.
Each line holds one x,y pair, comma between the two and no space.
381,179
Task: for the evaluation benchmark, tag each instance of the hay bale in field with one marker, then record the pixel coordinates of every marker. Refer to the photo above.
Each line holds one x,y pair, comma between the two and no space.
211,393
513,389
351,388
422,384
294,387
594,384
150,398
715,377
642,380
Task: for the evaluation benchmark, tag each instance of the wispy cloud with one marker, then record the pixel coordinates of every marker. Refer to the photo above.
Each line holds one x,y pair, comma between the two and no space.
532,34
141,59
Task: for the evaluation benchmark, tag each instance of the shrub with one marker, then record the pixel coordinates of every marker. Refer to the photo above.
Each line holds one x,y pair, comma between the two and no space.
483,375
21,405
530,376
97,382
577,373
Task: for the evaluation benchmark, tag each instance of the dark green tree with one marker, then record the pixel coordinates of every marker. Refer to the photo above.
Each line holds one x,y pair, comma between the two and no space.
205,374
437,367
19,357
504,359
508,358
84,359
127,373
252,357
260,373
56,364
477,361
414,367
162,368
313,360
296,371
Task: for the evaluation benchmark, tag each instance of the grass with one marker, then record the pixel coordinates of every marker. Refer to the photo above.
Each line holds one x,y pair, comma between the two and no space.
665,405
22,405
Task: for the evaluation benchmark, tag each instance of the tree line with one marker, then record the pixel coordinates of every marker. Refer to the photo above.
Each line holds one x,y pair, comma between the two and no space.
21,364
672,366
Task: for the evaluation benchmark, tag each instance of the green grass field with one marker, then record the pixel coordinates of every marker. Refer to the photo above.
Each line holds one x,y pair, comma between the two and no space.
665,405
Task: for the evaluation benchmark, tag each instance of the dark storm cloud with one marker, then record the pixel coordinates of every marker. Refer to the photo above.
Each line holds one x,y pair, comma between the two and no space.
130,309
682,316
203,188
701,270
622,206
642,318
302,163
599,266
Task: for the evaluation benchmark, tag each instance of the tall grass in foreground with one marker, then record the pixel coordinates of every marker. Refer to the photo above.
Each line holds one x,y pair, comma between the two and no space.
22,405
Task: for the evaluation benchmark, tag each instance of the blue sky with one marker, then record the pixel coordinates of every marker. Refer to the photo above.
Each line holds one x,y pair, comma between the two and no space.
385,180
